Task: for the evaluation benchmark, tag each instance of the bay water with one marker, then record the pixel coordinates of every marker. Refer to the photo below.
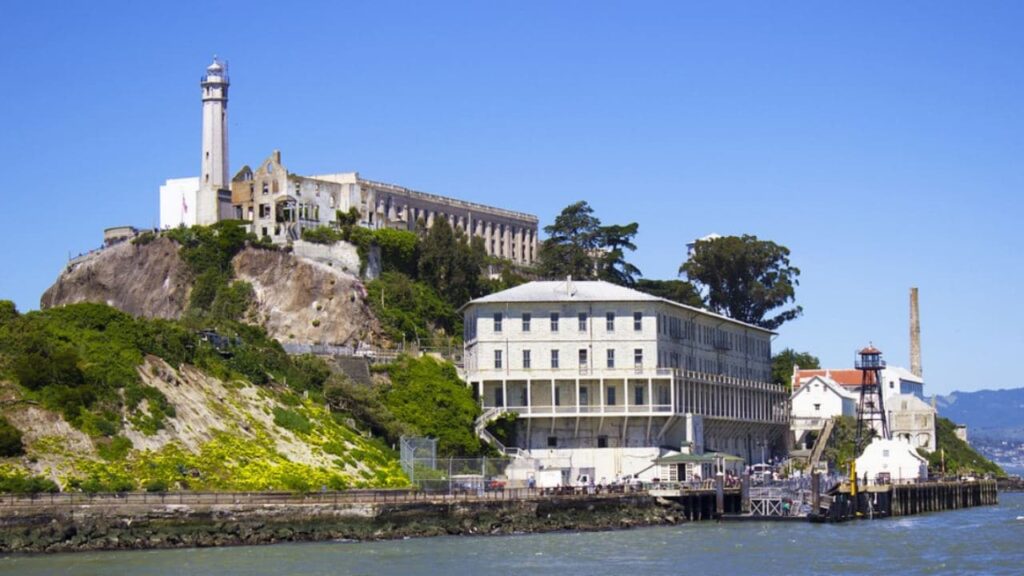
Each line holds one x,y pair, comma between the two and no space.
984,540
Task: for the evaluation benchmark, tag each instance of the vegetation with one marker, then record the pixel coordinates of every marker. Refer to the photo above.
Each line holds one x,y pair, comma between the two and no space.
208,251
15,480
842,444
451,265
410,310
579,246
679,291
745,278
81,360
427,395
10,440
954,456
784,361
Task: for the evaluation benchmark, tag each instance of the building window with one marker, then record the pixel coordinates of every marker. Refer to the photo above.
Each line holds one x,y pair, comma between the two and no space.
497,358
609,321
266,189
611,357
817,407
610,393
638,357
526,358
554,358
497,321
583,357
602,441
264,210
526,321
554,321
638,321
552,441
638,395
558,396
582,320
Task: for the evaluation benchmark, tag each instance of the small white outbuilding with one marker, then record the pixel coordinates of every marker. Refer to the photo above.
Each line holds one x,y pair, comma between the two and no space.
896,459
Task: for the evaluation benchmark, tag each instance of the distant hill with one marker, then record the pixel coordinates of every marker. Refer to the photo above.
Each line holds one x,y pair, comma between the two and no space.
989,412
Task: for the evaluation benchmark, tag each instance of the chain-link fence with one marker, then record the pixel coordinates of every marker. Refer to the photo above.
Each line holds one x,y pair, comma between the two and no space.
451,475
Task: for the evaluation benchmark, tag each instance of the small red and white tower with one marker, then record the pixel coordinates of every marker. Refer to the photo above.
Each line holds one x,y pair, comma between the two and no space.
870,409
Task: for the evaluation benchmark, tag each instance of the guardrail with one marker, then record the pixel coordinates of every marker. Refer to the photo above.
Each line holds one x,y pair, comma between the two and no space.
290,498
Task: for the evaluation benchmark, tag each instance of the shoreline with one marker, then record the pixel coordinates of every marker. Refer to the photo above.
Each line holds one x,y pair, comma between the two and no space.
49,530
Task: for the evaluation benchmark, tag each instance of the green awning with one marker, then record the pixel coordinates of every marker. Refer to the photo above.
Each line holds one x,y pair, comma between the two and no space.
709,457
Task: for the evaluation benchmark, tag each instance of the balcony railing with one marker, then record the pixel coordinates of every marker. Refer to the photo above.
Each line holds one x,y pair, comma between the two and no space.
588,410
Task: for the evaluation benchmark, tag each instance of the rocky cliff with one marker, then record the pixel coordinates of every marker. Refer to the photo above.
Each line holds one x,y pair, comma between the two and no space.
143,280
297,299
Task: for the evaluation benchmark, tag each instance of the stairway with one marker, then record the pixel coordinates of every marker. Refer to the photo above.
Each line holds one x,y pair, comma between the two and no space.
480,427
820,443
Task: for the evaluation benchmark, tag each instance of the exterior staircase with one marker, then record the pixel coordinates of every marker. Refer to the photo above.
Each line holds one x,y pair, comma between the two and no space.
480,427
820,443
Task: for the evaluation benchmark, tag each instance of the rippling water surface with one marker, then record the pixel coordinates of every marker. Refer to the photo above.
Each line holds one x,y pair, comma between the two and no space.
987,540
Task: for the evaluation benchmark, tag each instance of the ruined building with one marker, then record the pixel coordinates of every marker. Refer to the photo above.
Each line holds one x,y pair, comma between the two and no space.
280,204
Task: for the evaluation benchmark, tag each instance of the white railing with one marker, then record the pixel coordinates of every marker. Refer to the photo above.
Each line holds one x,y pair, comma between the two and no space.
492,412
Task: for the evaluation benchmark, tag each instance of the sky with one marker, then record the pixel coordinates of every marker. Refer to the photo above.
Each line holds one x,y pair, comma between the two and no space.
881,142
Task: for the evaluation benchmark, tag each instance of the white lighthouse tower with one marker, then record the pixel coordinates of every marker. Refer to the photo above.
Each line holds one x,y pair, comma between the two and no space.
214,202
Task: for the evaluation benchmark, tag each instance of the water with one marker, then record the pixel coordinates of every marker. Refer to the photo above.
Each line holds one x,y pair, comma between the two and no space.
986,540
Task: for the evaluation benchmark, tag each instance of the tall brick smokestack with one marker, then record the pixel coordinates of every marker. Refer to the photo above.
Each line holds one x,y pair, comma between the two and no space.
915,336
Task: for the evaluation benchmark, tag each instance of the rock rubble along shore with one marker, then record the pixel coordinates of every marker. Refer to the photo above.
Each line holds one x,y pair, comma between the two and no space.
68,529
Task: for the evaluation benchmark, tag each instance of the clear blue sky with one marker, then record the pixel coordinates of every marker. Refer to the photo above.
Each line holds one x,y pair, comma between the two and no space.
883,143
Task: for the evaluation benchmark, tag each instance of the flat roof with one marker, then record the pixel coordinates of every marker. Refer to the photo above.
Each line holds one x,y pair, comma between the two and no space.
565,291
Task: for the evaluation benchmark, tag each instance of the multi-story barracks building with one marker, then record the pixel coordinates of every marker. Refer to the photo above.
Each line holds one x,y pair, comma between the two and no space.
605,379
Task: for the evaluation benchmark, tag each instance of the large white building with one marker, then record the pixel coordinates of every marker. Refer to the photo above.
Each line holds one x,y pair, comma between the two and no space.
603,377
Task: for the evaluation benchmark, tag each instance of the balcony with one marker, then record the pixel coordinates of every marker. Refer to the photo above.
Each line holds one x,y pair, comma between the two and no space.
585,410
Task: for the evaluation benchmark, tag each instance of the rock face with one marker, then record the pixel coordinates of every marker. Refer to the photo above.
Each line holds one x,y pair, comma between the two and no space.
302,301
161,524
298,300
141,279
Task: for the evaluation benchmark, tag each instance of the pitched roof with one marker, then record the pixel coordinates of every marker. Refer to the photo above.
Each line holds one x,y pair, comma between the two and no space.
828,383
586,291
849,378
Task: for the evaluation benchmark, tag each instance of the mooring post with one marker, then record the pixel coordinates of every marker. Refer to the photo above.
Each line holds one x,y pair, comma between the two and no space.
815,492
745,494
719,495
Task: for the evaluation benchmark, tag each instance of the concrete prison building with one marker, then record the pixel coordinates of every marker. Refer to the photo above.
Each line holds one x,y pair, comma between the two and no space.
281,204
604,379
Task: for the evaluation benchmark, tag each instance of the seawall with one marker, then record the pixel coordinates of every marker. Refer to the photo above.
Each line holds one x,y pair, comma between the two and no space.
46,528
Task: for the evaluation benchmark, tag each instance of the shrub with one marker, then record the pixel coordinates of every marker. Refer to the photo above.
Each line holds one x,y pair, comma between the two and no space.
428,394
291,420
322,235
114,449
10,440
156,485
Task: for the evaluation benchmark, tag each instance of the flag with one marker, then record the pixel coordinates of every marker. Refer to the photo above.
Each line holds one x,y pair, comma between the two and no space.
184,205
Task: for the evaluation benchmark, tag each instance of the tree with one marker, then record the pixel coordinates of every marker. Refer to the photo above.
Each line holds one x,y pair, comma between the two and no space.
450,264
578,246
8,311
611,262
783,362
744,278
571,243
675,290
